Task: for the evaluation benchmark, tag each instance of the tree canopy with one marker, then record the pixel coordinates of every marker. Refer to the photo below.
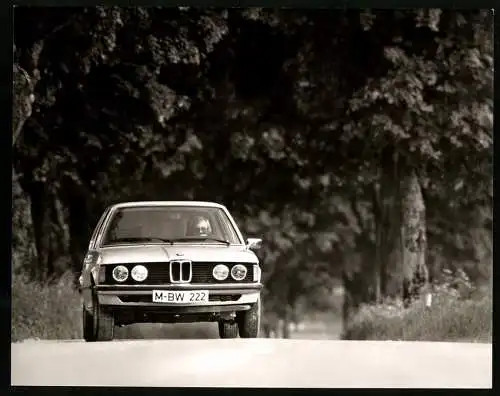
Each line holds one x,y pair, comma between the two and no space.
294,120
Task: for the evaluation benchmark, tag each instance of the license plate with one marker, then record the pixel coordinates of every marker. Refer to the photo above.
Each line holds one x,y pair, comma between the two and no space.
180,296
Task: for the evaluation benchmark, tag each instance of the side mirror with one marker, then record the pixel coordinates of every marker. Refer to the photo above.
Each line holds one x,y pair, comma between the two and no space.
254,243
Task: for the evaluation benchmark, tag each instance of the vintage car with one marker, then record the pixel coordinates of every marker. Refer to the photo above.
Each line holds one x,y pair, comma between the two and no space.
170,262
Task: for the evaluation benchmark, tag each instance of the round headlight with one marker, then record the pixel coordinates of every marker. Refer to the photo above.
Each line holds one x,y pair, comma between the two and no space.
120,273
239,272
139,273
220,272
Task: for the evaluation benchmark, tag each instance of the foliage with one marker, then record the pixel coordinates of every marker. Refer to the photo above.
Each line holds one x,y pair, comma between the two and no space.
22,100
45,311
275,113
23,248
459,312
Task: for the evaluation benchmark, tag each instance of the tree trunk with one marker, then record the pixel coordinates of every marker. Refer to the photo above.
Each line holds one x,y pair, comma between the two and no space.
356,292
388,217
349,302
367,247
413,237
60,236
401,243
24,251
286,326
79,215
41,223
401,230
23,87
22,100
380,270
24,254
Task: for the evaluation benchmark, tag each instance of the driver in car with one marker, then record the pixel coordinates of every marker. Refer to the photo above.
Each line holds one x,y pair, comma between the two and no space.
199,227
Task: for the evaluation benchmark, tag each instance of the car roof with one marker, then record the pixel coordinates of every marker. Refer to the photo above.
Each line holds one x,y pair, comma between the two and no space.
133,204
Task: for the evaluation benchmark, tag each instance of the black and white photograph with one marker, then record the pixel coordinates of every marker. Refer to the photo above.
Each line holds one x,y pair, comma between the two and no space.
252,197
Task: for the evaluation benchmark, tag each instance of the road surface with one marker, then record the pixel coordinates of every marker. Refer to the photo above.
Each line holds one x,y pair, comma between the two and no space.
252,363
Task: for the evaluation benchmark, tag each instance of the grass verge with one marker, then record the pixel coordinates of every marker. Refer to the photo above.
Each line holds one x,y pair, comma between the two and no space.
45,311
450,318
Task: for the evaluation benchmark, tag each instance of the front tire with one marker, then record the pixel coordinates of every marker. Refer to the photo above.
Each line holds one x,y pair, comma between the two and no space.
228,329
88,326
249,321
105,325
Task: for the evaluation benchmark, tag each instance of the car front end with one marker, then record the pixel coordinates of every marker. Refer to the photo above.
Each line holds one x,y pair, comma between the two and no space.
177,290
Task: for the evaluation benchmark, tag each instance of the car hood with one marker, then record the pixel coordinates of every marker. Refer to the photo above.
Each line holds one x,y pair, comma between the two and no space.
161,253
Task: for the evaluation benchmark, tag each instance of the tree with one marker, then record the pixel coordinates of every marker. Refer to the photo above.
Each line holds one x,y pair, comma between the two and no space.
392,143
23,250
445,88
70,60
335,156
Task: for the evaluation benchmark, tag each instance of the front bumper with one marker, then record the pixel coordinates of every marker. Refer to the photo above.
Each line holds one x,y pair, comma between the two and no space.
137,297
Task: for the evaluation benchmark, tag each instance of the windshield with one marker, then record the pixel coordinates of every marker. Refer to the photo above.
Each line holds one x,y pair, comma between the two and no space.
170,224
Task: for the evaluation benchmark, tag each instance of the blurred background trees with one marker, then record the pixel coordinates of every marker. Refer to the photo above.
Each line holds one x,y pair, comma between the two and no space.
357,143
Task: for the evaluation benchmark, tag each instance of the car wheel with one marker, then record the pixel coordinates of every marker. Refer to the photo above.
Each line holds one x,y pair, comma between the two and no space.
105,325
228,329
249,321
88,325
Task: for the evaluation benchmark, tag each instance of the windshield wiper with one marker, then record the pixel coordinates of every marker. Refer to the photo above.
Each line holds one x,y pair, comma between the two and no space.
139,239
201,239
171,241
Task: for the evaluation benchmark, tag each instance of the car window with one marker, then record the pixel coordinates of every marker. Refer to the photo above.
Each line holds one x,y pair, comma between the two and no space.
157,224
226,226
98,227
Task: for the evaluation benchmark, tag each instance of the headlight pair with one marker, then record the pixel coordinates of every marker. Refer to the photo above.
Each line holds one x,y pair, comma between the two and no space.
139,273
221,272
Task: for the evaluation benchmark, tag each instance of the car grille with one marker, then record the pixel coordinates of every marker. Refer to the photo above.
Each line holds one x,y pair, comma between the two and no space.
159,273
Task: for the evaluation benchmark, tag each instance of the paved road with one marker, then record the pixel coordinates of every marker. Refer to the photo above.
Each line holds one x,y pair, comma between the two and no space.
252,363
